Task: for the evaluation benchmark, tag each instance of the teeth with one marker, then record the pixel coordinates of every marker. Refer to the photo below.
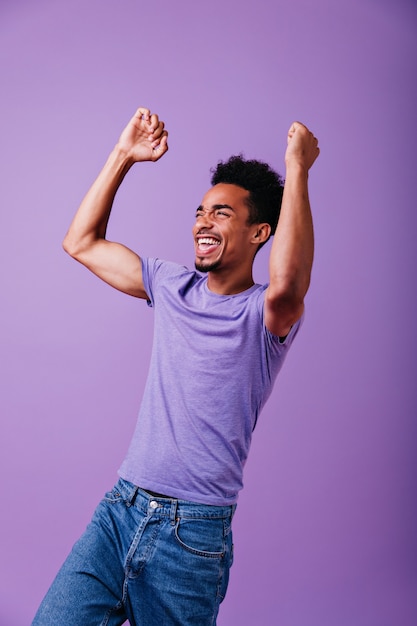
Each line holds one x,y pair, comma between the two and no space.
209,241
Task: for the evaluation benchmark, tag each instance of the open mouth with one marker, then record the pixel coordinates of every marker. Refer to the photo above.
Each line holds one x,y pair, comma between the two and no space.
206,244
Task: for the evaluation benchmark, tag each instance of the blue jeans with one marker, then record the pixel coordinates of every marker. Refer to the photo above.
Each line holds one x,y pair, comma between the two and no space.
150,560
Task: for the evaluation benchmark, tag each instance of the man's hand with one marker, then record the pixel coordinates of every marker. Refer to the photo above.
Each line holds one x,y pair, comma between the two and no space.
144,138
302,146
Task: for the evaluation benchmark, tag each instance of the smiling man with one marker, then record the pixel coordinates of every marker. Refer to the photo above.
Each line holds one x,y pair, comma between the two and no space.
159,547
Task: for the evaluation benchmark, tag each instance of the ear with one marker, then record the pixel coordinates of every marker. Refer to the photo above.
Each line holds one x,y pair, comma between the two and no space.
261,234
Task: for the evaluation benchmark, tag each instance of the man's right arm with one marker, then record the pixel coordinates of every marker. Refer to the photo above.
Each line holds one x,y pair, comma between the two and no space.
144,139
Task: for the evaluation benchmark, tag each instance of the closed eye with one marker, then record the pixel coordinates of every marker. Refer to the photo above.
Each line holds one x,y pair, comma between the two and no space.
218,211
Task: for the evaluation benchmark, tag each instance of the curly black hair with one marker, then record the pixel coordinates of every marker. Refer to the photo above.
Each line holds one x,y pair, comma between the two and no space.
265,187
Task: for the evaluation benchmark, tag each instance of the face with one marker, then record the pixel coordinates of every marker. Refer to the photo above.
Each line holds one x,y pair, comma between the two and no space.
222,235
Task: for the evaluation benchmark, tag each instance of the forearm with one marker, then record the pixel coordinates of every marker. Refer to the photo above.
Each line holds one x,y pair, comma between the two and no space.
292,250
90,222
143,139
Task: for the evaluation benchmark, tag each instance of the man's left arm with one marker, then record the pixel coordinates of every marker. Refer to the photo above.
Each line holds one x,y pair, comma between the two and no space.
292,250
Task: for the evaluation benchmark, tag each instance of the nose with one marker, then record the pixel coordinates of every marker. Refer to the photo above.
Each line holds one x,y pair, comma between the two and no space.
204,220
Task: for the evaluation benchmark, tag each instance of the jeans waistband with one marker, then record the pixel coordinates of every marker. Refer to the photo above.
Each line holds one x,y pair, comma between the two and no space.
141,499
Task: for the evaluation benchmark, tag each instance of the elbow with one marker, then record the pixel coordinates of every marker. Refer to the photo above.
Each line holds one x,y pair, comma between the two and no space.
65,245
72,247
68,246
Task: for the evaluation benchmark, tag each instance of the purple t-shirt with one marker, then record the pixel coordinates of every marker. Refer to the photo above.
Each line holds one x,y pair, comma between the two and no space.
212,368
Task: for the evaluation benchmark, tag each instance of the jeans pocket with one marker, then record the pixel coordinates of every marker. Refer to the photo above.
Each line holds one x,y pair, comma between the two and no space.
113,496
201,536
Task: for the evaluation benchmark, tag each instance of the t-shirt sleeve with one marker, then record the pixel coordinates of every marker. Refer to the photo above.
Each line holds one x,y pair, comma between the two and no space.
148,272
155,271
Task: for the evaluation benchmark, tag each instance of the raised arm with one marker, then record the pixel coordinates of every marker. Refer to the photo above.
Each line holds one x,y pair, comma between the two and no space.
291,256
143,139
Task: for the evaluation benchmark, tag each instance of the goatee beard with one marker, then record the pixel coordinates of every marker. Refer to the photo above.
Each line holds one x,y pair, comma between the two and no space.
202,267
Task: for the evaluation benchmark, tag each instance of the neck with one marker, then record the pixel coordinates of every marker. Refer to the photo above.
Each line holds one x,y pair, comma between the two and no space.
228,285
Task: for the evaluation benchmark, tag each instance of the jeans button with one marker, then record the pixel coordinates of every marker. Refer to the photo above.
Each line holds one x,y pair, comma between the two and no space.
153,504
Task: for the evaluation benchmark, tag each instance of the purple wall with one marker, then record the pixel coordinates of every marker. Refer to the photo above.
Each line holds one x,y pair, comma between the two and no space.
326,526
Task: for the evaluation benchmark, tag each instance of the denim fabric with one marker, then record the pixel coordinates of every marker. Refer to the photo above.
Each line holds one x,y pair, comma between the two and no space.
149,560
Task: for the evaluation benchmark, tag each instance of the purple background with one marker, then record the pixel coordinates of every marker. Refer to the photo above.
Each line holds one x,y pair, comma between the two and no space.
325,531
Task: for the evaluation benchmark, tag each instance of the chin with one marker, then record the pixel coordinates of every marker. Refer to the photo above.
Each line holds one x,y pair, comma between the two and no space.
207,267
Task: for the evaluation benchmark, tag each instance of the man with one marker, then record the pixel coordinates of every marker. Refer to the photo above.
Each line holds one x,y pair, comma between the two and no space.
159,547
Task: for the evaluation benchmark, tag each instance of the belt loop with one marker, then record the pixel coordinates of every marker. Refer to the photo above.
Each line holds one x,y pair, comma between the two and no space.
132,497
173,512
